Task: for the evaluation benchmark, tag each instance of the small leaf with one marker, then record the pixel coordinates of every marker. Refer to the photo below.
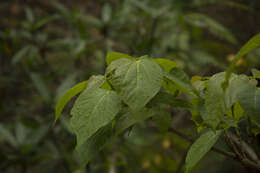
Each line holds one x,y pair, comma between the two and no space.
8,136
67,96
180,79
112,56
200,147
93,109
40,85
249,46
137,82
166,64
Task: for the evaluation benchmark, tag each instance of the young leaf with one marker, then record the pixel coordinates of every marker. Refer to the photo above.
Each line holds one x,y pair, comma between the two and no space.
180,79
67,96
166,64
200,147
112,56
94,144
94,108
249,46
137,81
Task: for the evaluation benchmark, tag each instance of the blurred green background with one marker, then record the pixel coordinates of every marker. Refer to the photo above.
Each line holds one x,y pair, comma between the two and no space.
47,46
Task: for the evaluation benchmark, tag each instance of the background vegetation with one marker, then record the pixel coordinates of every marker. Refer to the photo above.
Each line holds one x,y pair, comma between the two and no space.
48,46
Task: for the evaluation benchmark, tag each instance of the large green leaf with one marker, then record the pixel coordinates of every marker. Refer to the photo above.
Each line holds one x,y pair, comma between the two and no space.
112,56
67,96
180,79
136,81
214,100
200,147
93,109
94,144
249,46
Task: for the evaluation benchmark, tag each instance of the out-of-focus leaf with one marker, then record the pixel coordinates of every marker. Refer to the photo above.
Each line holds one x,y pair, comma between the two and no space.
8,136
256,73
200,147
216,28
40,85
20,54
106,13
21,133
163,120
67,96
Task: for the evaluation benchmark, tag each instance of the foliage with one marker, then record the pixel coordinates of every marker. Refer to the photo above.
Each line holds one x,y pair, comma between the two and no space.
134,82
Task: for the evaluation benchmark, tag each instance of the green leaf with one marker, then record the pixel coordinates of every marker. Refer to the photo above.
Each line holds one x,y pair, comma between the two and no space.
180,79
94,144
237,83
166,64
249,46
67,96
40,85
8,136
213,26
256,73
128,119
249,99
93,109
200,147
165,98
163,120
66,84
137,81
112,56
214,100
